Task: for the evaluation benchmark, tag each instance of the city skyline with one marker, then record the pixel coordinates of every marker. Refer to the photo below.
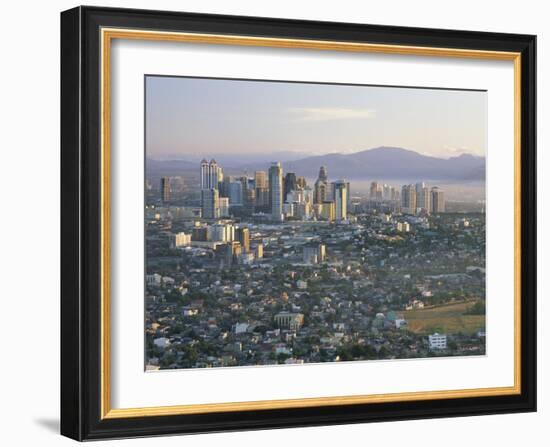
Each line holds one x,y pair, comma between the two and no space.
283,196
369,256
311,119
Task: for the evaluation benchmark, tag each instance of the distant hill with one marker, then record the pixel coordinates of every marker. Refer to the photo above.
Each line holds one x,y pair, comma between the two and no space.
388,163
392,163
168,168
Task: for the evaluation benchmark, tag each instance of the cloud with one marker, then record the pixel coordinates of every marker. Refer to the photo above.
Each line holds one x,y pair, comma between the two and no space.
319,114
448,151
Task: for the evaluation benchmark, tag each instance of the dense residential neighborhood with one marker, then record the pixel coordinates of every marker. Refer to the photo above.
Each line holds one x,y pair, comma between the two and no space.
268,270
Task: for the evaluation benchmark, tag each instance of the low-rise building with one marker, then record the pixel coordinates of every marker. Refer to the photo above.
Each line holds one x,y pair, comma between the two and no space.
289,320
437,341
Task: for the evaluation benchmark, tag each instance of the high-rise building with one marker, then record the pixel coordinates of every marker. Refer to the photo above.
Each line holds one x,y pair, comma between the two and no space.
260,179
314,253
376,191
224,206
215,174
210,203
327,210
180,240
243,236
296,195
321,189
321,186
348,191
262,198
259,251
205,177
302,210
199,234
301,182
165,189
323,175
394,193
438,200
221,232
249,199
288,209
227,252
276,191
408,199
308,195
235,193
262,190
211,174
290,184
210,177
422,197
341,197
424,201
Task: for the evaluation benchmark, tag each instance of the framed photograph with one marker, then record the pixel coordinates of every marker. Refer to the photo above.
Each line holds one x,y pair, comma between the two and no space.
277,223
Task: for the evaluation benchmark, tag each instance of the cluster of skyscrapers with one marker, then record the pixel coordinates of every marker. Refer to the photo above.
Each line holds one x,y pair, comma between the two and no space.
413,198
272,193
279,196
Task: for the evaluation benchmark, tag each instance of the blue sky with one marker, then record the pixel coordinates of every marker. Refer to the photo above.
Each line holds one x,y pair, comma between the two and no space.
192,117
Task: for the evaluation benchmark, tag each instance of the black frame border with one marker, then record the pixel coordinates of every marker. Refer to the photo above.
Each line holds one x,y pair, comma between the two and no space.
81,223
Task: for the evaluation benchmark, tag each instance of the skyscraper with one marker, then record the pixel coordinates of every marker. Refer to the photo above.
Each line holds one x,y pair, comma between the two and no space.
262,189
276,191
215,174
314,253
422,197
376,191
210,203
205,178
438,200
321,186
323,174
260,179
340,189
243,236
425,201
249,200
235,193
211,174
290,184
224,206
165,189
408,199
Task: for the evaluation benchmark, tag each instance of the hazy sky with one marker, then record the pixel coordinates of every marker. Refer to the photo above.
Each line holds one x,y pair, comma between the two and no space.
187,118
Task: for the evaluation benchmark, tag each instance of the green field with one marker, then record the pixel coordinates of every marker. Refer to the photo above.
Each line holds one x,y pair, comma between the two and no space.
447,319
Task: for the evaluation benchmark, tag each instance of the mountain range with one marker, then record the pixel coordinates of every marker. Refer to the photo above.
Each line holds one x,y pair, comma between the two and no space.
392,163
388,163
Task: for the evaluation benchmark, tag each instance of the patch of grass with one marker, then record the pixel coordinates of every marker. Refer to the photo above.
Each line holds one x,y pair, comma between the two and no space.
447,319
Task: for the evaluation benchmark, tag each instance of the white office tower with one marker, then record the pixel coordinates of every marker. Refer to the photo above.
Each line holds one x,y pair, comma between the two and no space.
340,193
276,191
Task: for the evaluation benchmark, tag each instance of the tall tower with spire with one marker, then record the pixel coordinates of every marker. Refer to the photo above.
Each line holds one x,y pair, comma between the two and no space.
321,186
